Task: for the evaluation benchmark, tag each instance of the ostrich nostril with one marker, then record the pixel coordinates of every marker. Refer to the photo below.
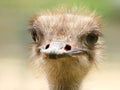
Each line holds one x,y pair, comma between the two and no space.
67,47
47,46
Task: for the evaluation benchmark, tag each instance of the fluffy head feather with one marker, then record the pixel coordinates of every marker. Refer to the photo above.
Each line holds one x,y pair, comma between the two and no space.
79,29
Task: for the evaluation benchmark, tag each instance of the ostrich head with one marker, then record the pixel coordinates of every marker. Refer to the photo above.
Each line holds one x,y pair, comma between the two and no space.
66,45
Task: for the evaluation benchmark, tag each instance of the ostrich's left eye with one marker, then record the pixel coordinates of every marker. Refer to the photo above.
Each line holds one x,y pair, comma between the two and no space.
92,38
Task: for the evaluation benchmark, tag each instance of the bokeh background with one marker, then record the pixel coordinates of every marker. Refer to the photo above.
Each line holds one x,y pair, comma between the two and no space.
14,43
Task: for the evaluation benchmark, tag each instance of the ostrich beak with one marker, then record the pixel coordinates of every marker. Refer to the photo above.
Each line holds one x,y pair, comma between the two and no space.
59,49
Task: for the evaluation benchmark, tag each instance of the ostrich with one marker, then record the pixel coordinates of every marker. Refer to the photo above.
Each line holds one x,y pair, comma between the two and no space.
66,45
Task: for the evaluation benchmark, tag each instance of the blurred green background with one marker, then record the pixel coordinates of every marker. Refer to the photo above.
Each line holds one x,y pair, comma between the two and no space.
15,39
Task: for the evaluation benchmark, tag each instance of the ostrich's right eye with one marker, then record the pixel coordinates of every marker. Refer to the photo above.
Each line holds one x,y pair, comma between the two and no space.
34,34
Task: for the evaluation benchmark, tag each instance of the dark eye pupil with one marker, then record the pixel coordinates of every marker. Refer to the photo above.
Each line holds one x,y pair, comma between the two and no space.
91,38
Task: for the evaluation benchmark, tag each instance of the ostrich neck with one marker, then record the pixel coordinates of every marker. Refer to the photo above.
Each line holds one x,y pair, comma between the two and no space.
64,87
64,80
65,75
63,84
